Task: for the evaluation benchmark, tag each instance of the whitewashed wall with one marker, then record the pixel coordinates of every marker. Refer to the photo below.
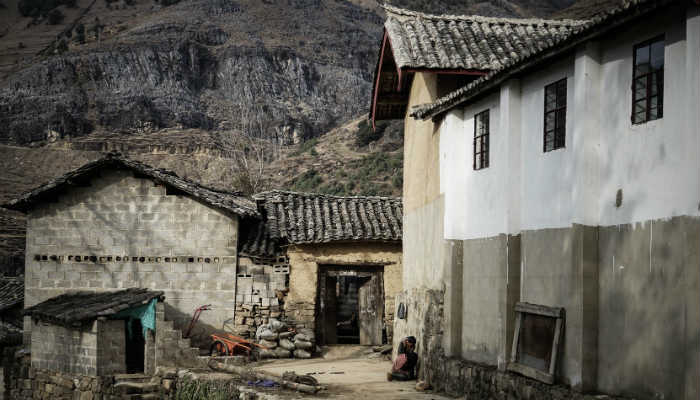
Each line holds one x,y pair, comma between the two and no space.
656,164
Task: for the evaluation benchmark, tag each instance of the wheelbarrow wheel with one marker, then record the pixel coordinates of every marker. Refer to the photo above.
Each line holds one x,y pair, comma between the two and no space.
218,348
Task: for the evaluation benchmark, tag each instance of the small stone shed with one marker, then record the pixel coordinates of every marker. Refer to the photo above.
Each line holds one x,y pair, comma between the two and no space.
93,334
343,255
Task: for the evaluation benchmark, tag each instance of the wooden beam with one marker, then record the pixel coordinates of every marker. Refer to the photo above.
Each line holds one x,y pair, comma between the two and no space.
531,373
555,312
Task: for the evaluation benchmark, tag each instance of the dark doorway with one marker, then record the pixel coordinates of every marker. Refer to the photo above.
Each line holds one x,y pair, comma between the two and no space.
135,347
351,305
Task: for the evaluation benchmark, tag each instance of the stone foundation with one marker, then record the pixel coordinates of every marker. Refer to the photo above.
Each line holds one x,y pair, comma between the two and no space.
476,381
25,382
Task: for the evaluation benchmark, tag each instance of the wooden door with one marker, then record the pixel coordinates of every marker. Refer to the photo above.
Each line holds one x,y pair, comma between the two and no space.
330,310
371,304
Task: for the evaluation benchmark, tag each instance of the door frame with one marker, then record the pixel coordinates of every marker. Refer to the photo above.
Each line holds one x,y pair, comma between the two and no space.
360,270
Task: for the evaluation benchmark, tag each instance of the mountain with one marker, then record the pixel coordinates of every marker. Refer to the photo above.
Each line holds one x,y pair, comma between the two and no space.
190,84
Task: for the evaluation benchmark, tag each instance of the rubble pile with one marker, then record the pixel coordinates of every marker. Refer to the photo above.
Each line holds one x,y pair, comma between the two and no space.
283,341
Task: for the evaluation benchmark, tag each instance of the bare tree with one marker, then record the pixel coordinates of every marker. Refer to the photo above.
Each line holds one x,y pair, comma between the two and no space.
250,157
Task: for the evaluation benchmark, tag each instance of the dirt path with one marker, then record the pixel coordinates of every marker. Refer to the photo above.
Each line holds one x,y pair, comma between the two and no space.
357,377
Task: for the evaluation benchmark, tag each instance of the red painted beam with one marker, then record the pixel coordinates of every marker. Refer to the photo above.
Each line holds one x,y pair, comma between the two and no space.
377,78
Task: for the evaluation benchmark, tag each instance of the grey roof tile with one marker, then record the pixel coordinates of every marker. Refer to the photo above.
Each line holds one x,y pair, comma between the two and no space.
466,42
535,43
11,292
299,218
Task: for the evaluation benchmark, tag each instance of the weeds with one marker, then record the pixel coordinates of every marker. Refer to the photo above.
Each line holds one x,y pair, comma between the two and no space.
188,389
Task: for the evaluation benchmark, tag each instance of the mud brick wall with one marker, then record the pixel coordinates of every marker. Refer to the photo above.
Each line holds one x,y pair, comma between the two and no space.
261,285
124,231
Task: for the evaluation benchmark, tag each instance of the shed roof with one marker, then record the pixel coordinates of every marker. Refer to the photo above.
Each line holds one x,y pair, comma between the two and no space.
465,42
298,218
601,23
11,292
233,202
76,308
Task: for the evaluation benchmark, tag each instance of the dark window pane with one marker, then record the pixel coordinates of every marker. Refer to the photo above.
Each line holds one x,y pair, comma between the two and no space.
641,61
555,116
657,55
640,106
640,88
549,121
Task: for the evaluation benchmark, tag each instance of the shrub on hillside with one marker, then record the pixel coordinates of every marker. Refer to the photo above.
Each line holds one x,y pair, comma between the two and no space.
41,8
365,134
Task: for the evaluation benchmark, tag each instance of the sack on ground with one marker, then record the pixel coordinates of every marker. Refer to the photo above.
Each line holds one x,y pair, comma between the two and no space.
276,325
286,335
281,352
287,344
304,345
301,336
302,354
268,335
270,344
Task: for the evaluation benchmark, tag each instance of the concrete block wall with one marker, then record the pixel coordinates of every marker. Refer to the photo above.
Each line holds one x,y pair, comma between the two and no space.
258,281
124,231
111,347
60,349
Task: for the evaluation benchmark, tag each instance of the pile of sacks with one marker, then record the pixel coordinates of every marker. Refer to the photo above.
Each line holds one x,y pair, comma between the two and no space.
283,342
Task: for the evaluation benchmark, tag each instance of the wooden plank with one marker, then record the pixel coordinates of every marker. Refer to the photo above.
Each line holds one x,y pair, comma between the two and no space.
516,338
537,309
555,346
531,372
371,312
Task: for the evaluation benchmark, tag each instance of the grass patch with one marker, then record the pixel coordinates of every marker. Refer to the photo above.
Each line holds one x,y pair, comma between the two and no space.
188,389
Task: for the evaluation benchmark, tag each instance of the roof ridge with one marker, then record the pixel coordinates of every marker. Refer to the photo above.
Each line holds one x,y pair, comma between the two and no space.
260,195
480,18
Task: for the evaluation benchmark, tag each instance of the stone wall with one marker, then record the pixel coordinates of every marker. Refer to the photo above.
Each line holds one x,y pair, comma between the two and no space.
124,231
25,382
261,287
304,260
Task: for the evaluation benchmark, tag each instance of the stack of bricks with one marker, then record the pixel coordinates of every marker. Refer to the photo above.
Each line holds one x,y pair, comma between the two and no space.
260,289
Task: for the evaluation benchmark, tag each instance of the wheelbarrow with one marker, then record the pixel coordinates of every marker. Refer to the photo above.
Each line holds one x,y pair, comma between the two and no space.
225,344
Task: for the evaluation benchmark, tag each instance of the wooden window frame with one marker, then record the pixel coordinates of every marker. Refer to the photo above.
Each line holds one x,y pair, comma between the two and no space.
482,137
648,78
526,370
558,132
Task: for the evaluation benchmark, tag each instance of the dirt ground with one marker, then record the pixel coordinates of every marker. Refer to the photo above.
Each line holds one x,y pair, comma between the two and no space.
348,373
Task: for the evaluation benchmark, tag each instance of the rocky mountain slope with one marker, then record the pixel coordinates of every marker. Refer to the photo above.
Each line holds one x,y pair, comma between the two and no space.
177,82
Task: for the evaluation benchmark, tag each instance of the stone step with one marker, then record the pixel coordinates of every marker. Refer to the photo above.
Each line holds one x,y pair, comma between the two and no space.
165,325
136,387
140,378
184,343
140,396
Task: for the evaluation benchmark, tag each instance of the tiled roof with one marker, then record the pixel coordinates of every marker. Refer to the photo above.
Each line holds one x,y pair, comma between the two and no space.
75,308
602,22
9,334
468,42
255,241
233,202
11,292
298,218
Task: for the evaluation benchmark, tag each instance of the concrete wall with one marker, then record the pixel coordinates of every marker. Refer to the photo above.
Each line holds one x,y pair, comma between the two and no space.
165,242
303,277
111,347
490,288
649,325
60,349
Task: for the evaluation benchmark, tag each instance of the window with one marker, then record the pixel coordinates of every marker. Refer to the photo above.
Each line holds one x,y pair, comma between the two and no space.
555,115
648,81
481,140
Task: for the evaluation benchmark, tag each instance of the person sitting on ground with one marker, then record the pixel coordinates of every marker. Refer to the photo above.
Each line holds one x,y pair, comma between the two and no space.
405,362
